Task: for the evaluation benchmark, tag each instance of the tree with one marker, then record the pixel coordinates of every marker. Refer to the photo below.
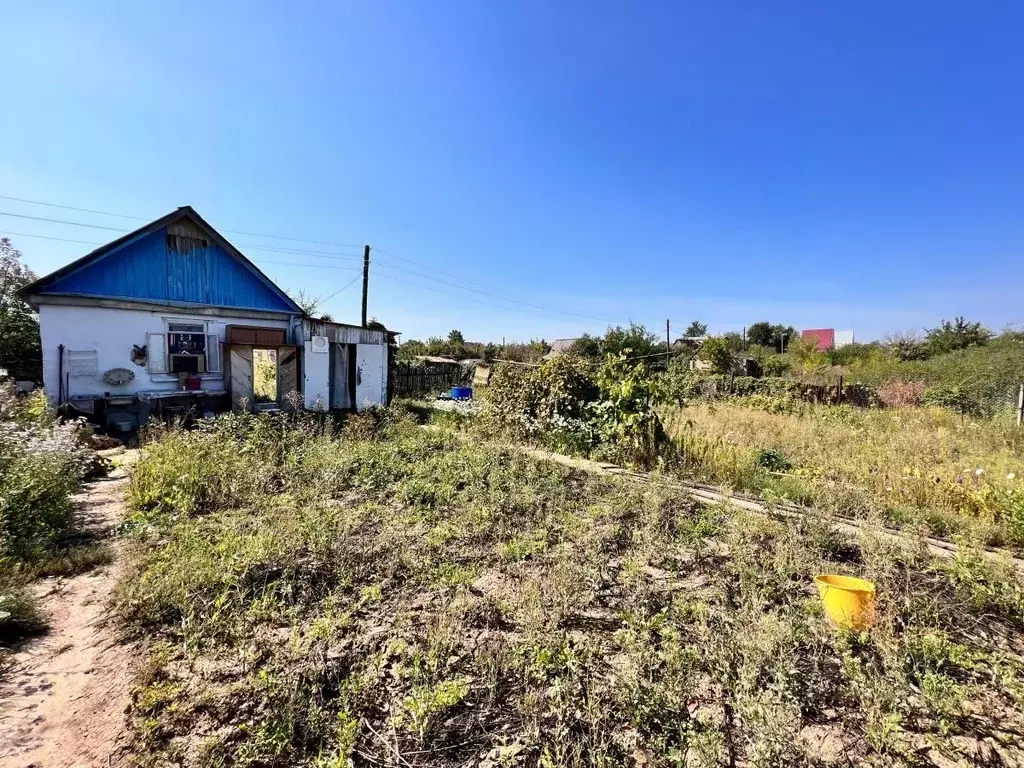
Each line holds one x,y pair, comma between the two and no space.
636,339
959,334
773,336
586,346
762,334
716,351
20,350
906,345
696,328
734,340
455,337
411,349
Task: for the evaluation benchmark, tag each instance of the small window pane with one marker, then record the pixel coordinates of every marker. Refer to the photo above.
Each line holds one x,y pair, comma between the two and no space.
186,328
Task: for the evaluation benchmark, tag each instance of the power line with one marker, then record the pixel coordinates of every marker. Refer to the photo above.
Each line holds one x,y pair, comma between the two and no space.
316,254
346,285
493,295
142,218
258,261
426,266
61,221
464,298
48,237
272,249
314,266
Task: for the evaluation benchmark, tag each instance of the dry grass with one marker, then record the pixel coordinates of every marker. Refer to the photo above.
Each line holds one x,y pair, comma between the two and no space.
404,597
917,467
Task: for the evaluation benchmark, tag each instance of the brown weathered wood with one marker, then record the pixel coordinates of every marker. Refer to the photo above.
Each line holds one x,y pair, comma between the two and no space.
287,376
239,378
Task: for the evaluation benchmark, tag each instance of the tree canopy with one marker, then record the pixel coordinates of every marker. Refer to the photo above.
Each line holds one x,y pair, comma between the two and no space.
766,334
696,328
20,351
956,334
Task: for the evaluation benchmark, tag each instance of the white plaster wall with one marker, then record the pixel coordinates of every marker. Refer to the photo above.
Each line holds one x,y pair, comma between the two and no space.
843,338
112,332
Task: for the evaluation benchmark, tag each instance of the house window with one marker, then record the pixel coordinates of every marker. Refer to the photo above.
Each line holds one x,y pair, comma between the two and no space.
186,348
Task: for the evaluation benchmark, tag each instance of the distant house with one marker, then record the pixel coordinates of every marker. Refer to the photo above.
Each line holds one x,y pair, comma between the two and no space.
559,347
172,316
823,338
690,343
828,338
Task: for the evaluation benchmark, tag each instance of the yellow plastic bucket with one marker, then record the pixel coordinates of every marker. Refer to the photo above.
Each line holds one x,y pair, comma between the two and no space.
849,601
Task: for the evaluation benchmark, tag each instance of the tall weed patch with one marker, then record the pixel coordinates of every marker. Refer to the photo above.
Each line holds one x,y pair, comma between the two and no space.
41,464
926,467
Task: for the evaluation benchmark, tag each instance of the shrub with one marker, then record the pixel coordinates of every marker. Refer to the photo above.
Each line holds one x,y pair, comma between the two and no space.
625,414
532,402
901,394
775,365
679,383
41,465
773,461
717,352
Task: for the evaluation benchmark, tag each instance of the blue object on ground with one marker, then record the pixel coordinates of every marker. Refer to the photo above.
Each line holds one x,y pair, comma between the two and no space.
462,393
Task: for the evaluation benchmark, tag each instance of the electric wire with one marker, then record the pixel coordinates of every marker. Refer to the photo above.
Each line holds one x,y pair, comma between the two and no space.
313,253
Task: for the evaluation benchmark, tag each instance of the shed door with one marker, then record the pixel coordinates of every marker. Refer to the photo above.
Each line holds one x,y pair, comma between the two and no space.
341,399
240,380
287,377
371,375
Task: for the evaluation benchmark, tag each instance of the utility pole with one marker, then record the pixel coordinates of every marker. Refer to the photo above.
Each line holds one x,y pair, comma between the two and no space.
366,278
668,339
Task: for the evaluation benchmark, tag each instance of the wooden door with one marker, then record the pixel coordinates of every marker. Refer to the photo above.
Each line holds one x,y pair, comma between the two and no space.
287,377
240,378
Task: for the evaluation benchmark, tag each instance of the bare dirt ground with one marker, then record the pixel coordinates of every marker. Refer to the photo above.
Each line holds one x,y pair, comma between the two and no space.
63,703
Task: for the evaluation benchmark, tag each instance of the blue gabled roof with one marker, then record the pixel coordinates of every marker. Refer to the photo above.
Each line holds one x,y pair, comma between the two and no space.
146,265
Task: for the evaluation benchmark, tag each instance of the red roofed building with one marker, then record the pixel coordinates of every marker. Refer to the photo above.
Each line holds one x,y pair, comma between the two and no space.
824,338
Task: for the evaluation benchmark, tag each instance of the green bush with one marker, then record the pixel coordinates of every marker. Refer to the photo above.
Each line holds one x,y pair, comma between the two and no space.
534,402
41,465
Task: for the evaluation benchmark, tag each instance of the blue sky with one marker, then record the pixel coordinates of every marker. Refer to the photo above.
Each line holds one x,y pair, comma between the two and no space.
855,165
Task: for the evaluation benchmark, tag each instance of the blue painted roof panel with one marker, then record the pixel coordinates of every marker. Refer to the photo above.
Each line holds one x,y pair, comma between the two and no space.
145,268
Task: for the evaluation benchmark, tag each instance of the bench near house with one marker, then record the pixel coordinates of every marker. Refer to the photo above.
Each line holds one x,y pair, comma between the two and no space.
172,318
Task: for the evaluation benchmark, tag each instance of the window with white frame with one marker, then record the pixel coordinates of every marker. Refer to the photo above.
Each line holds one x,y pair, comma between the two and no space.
185,347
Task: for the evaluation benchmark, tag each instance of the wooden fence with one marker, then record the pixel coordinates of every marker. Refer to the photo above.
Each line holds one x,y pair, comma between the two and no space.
415,380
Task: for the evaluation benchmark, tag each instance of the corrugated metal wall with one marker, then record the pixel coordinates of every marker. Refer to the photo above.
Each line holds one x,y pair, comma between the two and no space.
147,269
343,334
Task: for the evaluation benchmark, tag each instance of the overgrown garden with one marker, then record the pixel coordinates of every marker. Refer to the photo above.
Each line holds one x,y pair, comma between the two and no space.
381,594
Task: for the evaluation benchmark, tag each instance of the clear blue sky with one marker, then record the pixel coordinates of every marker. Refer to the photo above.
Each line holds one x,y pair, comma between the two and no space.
855,165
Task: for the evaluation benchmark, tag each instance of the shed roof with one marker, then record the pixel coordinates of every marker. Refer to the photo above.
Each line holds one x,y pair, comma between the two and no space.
436,359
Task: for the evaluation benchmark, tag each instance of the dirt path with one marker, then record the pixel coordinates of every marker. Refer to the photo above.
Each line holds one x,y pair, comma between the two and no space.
63,704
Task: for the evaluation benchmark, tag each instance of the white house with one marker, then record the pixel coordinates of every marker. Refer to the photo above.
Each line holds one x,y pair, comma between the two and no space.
173,317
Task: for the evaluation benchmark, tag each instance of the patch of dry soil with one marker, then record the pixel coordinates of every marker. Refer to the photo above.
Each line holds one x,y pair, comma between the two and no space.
63,703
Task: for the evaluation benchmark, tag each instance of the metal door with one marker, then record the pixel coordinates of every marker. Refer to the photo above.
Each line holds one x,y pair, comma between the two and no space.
371,375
